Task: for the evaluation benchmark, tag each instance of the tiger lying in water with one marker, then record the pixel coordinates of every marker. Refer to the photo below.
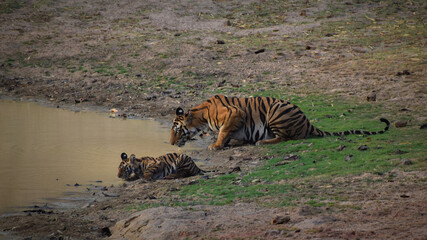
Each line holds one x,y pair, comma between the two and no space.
171,165
259,120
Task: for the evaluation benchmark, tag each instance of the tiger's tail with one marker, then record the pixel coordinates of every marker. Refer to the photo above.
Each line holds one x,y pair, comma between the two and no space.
320,133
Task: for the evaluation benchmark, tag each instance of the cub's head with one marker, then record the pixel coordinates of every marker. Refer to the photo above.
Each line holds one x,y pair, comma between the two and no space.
179,132
127,168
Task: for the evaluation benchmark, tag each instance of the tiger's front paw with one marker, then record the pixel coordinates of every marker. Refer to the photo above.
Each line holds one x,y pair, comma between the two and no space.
213,146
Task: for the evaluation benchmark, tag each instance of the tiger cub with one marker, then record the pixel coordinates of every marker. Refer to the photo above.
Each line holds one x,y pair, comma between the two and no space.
259,120
171,165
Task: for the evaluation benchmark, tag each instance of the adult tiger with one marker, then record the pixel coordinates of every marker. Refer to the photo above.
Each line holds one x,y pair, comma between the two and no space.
259,120
171,165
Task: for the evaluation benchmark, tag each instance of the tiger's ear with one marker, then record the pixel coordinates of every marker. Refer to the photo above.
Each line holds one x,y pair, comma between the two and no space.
124,156
132,157
179,111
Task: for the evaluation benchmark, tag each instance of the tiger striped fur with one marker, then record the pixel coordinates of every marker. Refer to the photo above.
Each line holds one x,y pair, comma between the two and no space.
171,165
259,120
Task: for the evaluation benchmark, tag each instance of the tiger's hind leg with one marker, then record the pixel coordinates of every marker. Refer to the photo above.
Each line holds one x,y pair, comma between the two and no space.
185,166
270,141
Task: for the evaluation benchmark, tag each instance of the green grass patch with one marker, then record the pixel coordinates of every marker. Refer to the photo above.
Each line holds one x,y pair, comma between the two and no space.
281,183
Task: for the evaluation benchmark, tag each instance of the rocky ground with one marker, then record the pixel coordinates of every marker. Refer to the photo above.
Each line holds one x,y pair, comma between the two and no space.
146,58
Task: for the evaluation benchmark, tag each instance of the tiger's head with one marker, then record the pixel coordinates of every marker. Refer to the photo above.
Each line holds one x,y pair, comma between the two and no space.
127,168
179,132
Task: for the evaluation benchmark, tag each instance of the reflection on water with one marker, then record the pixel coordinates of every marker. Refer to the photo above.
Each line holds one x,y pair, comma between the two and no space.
43,149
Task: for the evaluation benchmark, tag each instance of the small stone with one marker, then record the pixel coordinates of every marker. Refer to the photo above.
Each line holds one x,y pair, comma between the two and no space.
341,147
280,220
406,161
272,232
372,97
404,72
400,124
290,157
220,84
363,148
424,126
260,51
404,196
348,157
220,42
398,151
236,169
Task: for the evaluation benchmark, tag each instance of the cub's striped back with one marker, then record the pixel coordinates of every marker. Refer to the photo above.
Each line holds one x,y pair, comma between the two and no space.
171,165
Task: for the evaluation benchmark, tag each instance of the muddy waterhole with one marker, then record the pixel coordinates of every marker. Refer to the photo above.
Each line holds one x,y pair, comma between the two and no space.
55,155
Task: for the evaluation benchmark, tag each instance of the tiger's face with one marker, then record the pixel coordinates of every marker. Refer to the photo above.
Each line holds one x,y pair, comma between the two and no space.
127,168
179,132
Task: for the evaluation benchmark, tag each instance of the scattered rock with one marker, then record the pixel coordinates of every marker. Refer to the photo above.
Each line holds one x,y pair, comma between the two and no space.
363,148
260,51
236,169
280,220
151,197
80,100
272,232
399,152
404,196
76,185
406,161
287,159
348,157
404,110
372,97
149,98
280,164
290,157
220,42
341,147
220,84
400,124
404,72
330,34
424,126
255,181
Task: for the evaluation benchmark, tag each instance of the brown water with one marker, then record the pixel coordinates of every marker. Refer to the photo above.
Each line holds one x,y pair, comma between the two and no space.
43,149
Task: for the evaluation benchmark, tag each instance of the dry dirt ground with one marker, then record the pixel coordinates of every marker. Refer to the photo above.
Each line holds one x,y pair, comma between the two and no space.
147,57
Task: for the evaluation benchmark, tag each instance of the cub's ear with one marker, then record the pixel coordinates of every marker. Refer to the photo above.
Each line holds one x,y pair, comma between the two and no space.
124,156
132,157
179,111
